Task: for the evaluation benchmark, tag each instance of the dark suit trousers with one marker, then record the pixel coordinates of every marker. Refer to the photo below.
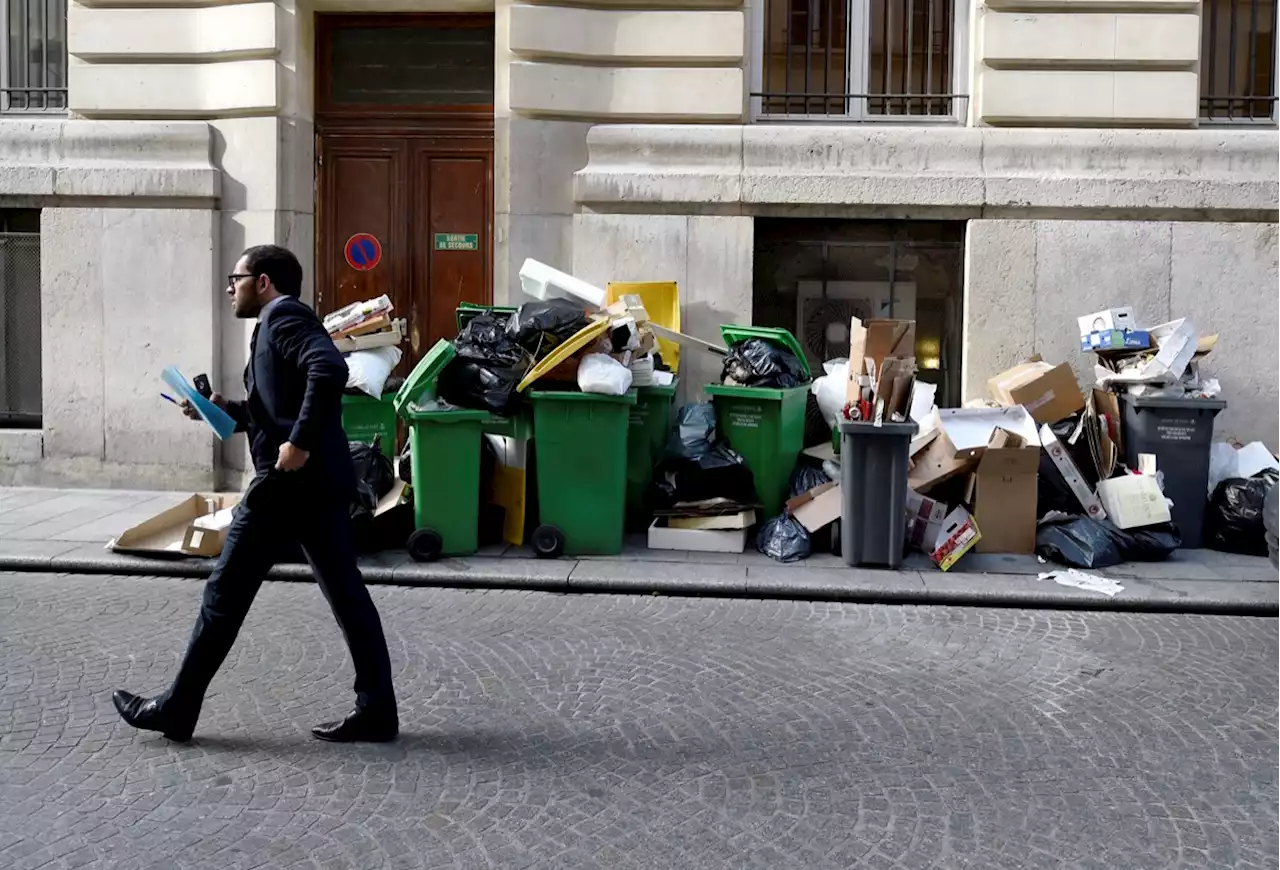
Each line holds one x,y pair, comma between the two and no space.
278,508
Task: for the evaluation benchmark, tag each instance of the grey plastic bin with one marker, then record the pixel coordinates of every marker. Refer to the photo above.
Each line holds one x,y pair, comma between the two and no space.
1178,432
873,484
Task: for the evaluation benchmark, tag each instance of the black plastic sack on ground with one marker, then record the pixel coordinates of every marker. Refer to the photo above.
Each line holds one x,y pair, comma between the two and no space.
1233,521
1083,542
784,539
719,472
694,433
375,475
805,477
757,363
539,327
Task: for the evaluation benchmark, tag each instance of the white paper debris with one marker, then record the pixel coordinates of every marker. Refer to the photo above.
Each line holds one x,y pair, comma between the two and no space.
1081,580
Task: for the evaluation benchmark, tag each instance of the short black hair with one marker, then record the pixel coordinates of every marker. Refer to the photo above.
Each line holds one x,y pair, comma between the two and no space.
277,263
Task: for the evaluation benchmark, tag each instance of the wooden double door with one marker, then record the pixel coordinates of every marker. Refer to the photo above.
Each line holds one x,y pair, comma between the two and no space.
426,196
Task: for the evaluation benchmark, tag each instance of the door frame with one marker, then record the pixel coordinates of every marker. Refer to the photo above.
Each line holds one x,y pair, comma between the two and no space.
460,129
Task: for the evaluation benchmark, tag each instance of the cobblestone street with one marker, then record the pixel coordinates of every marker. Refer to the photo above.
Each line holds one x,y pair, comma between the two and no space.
560,731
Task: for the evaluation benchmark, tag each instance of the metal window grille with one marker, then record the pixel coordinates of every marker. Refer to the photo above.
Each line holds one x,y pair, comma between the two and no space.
861,60
1238,61
20,329
33,56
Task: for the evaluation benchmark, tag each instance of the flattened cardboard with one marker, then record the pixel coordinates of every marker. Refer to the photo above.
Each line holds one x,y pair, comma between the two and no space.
165,533
857,360
725,523
817,508
939,462
703,541
890,338
1049,393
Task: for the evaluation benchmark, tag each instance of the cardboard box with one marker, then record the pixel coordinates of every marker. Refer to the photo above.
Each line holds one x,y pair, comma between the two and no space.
1133,501
1111,318
1057,451
1007,445
939,462
1176,342
817,508
925,517
1004,499
169,532
1116,339
1049,393
662,537
958,536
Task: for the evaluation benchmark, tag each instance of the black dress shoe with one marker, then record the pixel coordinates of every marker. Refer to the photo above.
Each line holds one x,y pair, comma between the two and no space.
145,713
360,726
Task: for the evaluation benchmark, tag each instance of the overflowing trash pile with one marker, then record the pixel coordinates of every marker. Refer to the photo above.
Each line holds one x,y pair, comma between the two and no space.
368,337
1124,470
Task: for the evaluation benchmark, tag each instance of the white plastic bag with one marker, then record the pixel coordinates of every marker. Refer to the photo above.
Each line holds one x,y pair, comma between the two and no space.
830,389
1226,462
602,374
368,370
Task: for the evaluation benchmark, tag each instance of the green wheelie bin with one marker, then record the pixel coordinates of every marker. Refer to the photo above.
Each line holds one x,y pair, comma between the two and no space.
580,450
764,424
444,462
649,427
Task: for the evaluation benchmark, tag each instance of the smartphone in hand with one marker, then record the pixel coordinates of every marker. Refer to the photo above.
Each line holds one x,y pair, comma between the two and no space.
202,386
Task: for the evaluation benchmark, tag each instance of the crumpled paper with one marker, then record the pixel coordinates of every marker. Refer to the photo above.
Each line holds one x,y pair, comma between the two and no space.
1081,580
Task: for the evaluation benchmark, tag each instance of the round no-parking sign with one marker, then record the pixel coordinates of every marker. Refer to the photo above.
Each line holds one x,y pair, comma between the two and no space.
363,252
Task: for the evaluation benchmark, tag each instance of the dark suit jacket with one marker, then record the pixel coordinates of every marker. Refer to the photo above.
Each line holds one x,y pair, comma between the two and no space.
294,382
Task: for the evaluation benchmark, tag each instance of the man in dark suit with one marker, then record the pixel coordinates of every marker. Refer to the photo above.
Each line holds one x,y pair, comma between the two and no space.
301,492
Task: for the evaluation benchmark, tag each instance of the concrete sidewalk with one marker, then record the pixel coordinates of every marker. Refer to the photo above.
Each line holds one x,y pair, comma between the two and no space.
65,531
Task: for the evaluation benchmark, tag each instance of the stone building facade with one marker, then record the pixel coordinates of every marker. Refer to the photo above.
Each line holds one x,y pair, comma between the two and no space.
992,168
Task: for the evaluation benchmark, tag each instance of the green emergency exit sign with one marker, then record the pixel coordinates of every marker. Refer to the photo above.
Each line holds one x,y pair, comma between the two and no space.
457,242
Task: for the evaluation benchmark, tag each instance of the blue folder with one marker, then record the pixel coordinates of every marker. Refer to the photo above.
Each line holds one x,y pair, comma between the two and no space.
219,420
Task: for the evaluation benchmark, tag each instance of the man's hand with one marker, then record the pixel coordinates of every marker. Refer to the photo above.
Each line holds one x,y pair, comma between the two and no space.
291,458
190,409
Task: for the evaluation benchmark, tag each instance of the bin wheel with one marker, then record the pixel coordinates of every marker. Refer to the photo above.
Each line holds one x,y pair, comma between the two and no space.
548,542
425,545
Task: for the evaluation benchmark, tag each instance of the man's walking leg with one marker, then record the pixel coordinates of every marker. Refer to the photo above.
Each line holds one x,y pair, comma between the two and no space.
247,556
327,539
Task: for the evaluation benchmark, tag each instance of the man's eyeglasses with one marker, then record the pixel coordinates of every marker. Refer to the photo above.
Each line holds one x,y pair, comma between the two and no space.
232,279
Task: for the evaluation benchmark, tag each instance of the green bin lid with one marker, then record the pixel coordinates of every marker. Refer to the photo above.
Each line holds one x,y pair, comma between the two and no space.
571,396
450,415
424,374
467,311
734,333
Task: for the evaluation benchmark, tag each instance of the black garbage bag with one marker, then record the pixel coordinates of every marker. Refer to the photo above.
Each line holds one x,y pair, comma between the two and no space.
1083,542
806,476
720,472
467,383
1053,493
1233,522
539,327
757,363
784,539
375,475
488,367
694,433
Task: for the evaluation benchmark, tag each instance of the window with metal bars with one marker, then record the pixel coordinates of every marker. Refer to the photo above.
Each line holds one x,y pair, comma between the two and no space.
861,60
1238,61
33,56
20,384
